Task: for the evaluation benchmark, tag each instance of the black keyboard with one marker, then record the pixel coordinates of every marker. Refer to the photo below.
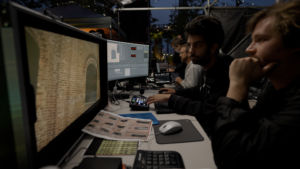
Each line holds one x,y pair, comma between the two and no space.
158,160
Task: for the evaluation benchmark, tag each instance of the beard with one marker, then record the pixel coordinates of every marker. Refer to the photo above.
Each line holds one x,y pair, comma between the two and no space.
202,60
183,60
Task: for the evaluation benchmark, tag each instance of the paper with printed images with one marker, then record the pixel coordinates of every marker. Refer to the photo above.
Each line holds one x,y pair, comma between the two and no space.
115,127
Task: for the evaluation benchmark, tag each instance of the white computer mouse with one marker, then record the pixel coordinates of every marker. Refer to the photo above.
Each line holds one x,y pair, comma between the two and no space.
170,127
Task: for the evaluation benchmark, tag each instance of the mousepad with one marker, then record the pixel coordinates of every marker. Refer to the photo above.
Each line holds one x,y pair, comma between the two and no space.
188,134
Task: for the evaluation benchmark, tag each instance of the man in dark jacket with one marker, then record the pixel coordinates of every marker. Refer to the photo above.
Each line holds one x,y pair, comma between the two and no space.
204,38
268,135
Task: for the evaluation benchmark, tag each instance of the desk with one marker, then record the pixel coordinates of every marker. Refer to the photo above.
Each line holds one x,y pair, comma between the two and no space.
196,155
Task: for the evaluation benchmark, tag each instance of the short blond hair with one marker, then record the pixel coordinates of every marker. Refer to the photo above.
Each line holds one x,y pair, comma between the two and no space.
287,21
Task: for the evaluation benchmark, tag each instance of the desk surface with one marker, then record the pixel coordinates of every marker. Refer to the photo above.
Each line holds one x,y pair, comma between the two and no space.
196,155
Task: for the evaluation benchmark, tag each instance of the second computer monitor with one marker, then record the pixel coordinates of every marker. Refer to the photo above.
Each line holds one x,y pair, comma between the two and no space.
127,60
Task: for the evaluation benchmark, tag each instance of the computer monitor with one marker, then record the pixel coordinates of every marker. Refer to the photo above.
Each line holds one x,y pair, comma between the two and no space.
56,79
127,60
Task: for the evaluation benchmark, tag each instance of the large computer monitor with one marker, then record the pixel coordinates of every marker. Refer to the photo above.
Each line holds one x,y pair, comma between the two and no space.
56,81
127,60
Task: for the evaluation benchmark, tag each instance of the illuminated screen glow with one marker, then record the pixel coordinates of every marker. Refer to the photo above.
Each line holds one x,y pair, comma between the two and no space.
65,74
127,60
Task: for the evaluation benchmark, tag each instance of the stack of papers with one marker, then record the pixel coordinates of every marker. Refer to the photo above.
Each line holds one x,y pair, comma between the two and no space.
112,126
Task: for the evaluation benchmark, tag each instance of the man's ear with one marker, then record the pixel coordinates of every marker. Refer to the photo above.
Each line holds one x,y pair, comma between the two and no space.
214,48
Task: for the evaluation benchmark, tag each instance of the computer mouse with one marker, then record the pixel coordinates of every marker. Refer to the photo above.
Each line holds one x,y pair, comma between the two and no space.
170,127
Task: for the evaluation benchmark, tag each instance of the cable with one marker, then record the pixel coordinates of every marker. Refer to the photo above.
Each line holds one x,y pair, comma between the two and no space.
113,99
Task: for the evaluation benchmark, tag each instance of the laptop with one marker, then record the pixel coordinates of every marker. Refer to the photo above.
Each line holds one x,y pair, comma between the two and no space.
161,67
162,78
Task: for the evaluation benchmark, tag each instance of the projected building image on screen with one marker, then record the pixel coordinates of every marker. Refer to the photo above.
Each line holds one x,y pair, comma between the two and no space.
127,60
64,72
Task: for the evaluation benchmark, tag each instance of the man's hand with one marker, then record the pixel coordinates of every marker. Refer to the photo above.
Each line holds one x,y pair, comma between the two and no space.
242,72
170,70
158,98
167,91
178,80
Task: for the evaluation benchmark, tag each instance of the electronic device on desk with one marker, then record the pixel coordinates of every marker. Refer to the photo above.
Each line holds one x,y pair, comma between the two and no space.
127,60
162,78
158,159
58,80
161,67
139,103
170,127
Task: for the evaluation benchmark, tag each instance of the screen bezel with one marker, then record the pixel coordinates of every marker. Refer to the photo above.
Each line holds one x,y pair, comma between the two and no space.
53,153
130,77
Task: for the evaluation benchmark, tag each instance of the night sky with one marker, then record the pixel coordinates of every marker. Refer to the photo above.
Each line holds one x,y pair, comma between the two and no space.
163,15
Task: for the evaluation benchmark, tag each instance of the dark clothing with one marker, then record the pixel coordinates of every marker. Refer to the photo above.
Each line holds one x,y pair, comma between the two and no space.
200,101
176,58
266,136
179,66
180,70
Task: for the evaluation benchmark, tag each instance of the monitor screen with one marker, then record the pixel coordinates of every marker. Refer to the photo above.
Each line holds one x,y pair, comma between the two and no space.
127,60
63,82
64,72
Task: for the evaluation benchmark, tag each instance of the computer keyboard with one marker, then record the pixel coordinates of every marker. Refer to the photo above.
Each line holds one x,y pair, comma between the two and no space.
146,159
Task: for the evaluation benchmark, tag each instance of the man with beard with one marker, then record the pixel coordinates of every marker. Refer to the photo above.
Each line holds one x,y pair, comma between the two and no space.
192,71
205,36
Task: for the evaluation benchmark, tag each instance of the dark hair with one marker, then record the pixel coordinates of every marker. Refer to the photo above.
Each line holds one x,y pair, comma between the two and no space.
185,45
287,21
207,26
177,40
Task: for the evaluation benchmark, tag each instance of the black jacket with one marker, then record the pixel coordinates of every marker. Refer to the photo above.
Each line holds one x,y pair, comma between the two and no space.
200,101
179,66
267,136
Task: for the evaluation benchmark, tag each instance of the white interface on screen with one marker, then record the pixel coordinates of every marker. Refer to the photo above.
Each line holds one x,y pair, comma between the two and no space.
127,60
